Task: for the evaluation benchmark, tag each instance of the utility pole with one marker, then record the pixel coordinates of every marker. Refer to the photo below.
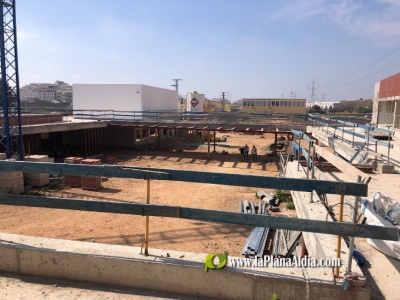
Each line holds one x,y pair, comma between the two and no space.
293,95
176,85
314,89
223,101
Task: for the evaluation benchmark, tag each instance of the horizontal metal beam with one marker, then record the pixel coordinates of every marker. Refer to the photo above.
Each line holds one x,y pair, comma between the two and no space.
335,228
371,139
303,136
366,127
296,184
85,170
298,133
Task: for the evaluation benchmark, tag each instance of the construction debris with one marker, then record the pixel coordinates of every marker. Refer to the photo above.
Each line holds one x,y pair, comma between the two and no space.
285,242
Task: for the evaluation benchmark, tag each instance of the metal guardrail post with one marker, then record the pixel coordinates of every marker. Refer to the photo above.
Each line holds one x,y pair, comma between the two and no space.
342,133
298,156
312,170
355,213
308,159
339,238
146,237
389,138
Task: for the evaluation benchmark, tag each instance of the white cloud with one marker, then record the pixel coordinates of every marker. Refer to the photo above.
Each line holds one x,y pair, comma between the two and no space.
298,11
378,22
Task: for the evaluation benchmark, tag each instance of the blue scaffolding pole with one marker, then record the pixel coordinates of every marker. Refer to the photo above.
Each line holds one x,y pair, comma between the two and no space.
10,131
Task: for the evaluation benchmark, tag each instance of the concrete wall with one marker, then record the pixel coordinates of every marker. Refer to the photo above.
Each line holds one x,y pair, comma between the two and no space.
386,101
181,273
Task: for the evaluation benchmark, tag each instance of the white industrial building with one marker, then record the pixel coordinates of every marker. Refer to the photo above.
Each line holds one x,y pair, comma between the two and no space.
124,97
322,104
195,102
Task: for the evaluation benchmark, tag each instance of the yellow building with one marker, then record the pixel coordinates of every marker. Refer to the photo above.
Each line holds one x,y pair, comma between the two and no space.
216,106
274,106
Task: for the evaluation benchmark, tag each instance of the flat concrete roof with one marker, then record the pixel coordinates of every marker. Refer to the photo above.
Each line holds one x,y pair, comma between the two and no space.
68,125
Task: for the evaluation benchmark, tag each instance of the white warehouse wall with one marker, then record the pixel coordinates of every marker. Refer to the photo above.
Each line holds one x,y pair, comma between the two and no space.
107,96
124,97
154,98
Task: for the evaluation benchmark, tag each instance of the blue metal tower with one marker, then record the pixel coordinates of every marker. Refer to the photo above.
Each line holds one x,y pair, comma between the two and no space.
10,121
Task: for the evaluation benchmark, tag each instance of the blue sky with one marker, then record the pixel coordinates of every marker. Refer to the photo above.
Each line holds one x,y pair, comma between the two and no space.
244,48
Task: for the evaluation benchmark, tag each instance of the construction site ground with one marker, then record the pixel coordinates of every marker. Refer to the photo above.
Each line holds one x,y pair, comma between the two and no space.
165,233
176,234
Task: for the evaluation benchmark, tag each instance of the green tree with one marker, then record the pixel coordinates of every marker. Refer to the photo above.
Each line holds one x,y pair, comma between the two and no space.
316,109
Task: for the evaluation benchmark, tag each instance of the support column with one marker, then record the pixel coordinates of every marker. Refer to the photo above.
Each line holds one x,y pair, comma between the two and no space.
394,114
158,138
147,139
85,143
214,140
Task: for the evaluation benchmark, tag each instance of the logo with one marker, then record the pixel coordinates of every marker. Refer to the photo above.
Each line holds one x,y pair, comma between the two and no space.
209,261
194,102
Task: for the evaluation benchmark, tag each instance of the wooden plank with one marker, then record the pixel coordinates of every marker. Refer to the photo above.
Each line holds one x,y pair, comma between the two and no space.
335,228
297,184
351,172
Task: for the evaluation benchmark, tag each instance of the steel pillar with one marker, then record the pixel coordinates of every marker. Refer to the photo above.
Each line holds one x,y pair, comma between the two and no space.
10,130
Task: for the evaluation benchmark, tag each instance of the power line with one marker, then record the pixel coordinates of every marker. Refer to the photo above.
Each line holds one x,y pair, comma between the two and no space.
349,92
390,53
369,75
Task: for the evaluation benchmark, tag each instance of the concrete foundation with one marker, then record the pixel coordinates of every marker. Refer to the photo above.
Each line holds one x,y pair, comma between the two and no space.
11,182
37,179
385,169
180,272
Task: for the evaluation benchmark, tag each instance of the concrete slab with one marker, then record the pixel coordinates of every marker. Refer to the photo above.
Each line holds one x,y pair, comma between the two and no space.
62,126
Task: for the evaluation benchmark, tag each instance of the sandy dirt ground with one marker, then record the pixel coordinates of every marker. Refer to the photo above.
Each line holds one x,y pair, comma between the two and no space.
165,233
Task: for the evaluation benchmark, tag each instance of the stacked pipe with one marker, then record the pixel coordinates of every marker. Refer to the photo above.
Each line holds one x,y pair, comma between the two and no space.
256,208
255,243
